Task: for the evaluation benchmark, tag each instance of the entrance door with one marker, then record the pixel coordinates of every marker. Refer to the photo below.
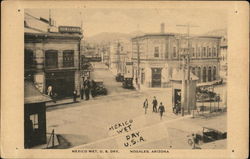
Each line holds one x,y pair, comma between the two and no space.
156,77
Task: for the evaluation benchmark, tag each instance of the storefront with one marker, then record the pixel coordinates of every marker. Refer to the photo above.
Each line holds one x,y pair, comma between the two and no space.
62,82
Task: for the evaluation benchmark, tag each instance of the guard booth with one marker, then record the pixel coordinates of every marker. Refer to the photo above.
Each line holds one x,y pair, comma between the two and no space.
190,91
34,115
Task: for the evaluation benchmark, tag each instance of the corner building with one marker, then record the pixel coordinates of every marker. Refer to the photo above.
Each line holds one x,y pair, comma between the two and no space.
159,58
53,59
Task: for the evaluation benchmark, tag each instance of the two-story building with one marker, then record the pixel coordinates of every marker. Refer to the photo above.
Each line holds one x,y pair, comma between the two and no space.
52,58
156,57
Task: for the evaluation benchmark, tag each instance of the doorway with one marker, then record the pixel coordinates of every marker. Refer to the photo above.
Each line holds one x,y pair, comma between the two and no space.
156,77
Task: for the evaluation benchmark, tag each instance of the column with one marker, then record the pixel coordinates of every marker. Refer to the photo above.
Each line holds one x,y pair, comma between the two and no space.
60,58
201,80
76,57
39,59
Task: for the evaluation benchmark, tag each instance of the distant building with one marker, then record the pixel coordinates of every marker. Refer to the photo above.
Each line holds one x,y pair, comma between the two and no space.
159,58
52,58
120,52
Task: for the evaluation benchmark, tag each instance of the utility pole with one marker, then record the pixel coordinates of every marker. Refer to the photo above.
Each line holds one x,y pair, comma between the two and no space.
185,97
138,63
138,58
118,57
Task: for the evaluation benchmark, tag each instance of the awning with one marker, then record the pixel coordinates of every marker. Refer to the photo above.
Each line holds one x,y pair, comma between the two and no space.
33,95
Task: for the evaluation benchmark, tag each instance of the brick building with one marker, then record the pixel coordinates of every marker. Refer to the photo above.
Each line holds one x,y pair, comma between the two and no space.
159,57
52,58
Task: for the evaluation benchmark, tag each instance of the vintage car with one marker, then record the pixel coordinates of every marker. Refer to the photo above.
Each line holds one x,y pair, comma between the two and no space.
98,88
119,77
207,135
128,83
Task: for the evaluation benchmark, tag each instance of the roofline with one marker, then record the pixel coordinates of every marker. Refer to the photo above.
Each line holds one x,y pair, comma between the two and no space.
175,34
49,34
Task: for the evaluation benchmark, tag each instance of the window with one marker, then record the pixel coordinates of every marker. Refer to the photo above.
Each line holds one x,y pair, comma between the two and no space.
198,52
34,120
156,53
209,52
204,51
215,52
166,54
68,58
51,59
193,53
174,51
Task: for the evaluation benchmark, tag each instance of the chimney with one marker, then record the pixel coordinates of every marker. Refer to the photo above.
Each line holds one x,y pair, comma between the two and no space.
162,28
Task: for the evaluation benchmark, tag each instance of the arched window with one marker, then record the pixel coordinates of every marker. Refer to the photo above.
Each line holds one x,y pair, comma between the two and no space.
204,74
209,74
199,74
193,70
214,73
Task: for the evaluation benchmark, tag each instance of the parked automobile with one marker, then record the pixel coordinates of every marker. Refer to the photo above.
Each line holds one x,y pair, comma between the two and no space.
207,135
98,88
119,77
128,83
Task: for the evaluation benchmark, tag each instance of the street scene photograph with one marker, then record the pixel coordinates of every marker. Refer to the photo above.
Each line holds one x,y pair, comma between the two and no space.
125,78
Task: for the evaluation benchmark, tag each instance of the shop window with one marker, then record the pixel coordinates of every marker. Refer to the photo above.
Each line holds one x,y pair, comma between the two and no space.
68,58
156,52
51,59
34,119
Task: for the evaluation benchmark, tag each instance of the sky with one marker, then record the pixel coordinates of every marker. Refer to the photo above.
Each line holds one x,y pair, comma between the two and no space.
127,20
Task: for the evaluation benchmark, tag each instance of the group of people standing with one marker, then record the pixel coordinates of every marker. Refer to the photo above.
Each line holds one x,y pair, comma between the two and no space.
86,88
161,108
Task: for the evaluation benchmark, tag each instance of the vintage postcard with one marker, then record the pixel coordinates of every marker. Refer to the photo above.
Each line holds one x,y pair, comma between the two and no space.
123,79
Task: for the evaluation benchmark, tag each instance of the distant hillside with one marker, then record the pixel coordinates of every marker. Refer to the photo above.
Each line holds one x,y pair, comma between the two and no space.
108,37
218,32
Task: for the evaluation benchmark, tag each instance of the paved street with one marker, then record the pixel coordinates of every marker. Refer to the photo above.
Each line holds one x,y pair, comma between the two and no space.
89,122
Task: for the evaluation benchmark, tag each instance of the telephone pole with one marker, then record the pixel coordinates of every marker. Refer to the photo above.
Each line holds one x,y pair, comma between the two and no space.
186,63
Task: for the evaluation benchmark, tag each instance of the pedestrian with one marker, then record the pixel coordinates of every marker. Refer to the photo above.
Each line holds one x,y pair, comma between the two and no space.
87,88
82,91
145,105
74,96
161,110
49,91
155,104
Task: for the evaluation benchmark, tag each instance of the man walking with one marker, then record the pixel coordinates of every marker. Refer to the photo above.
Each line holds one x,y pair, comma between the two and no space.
154,104
145,105
161,109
